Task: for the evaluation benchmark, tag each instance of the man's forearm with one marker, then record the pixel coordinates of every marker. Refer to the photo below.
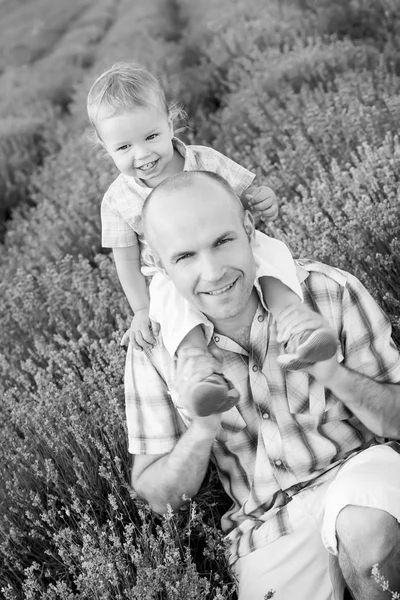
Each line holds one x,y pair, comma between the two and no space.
375,404
181,472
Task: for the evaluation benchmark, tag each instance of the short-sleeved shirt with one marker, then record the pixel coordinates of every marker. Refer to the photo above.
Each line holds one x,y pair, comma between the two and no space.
121,208
287,431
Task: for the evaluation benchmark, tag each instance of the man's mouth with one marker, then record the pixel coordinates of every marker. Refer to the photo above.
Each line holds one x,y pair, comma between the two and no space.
222,290
147,166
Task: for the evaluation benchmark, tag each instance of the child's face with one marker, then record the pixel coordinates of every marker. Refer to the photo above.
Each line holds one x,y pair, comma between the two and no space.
140,143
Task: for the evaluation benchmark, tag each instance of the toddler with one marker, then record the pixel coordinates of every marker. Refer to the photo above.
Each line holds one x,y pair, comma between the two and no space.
132,121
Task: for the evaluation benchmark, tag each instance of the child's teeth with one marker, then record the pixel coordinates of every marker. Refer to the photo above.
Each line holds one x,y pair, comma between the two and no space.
148,166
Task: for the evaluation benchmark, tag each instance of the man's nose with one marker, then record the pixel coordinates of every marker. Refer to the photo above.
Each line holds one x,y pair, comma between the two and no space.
211,268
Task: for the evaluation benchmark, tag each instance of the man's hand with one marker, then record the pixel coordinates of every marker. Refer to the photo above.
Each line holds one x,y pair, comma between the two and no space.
296,319
262,202
142,332
194,365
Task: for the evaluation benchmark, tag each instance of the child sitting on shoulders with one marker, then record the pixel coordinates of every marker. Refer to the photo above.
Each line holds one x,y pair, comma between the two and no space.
132,121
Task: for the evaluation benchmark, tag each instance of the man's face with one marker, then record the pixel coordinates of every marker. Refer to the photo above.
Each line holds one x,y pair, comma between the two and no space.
204,248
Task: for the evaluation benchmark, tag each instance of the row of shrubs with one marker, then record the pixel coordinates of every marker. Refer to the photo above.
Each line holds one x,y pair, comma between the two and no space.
53,44
69,527
311,108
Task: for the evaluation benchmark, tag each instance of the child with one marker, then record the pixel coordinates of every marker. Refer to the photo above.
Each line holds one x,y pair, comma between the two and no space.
132,121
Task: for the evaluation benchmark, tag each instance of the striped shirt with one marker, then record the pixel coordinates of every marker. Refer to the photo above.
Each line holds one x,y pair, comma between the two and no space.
287,431
121,208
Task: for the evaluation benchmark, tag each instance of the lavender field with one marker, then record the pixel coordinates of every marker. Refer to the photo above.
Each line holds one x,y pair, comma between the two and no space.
306,93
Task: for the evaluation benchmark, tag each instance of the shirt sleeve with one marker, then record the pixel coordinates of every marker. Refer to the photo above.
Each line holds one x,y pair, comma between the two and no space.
368,347
236,175
154,424
115,231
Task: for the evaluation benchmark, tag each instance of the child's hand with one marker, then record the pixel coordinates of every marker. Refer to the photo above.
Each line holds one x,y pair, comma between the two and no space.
262,202
142,331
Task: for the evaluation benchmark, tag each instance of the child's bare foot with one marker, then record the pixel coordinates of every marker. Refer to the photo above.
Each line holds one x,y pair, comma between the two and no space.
309,347
212,395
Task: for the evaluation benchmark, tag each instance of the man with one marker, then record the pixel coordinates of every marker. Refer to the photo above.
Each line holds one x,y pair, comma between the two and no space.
314,495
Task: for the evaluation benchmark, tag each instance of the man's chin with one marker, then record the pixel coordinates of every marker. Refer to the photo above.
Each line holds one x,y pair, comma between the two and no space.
220,311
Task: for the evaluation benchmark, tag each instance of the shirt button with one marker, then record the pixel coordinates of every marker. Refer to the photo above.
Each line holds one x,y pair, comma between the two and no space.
255,368
260,318
265,415
216,338
278,463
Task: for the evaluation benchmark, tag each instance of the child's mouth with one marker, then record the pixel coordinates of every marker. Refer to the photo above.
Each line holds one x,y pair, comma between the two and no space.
147,166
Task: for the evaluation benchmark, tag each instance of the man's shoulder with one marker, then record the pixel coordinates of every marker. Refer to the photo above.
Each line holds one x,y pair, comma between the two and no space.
307,268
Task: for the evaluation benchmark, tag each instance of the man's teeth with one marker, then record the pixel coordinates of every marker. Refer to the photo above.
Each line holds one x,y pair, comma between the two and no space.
221,291
147,166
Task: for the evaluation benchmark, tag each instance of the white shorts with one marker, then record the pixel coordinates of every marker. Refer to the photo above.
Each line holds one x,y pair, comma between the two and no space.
177,317
304,564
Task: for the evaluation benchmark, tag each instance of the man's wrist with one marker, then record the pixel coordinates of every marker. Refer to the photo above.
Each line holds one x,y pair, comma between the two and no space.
342,383
206,428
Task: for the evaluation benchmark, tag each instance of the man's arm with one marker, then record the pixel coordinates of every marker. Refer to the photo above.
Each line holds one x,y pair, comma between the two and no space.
164,480
376,405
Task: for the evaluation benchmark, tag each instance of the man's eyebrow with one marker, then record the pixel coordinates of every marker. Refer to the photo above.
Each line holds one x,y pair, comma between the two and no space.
179,253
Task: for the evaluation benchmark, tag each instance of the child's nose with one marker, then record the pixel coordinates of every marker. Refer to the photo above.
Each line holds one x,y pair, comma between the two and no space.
140,152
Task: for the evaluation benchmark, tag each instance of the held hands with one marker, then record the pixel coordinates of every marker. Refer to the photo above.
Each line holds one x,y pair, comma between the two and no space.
262,202
295,319
142,332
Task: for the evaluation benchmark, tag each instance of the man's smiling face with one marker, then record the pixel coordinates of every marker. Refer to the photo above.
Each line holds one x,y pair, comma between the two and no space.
203,240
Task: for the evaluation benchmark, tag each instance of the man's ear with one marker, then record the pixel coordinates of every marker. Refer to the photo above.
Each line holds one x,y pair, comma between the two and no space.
249,226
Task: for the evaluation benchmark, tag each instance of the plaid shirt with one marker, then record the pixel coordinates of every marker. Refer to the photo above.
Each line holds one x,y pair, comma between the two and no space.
121,208
287,431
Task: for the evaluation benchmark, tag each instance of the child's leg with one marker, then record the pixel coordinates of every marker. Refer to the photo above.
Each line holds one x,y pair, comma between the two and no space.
277,295
212,394
280,287
183,327
194,339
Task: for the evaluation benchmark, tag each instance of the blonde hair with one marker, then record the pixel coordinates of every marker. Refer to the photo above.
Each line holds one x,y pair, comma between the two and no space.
125,87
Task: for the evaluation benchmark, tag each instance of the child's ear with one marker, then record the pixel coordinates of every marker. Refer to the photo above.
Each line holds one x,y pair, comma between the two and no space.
158,263
171,125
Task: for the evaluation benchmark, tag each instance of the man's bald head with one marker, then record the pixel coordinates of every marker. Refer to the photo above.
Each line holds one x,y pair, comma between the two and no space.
174,191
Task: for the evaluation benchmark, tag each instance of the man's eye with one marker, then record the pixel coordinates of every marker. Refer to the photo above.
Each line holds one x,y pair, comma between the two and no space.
220,242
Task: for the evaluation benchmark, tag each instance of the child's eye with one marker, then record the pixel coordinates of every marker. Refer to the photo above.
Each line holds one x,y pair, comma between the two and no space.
152,137
124,147
183,257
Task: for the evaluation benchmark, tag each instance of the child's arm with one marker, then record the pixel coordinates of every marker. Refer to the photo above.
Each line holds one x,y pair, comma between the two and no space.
261,201
127,262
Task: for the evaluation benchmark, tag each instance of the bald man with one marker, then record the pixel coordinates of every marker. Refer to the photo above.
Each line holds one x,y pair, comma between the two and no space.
315,490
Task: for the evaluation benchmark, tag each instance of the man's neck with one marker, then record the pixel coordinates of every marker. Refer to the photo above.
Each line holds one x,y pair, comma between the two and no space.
238,328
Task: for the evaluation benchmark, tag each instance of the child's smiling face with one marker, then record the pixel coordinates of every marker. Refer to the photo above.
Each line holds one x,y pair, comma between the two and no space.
139,141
